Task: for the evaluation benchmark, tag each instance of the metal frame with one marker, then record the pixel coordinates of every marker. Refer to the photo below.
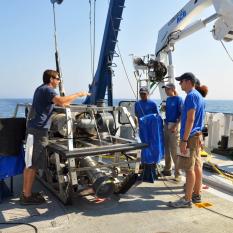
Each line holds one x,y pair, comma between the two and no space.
65,190
71,150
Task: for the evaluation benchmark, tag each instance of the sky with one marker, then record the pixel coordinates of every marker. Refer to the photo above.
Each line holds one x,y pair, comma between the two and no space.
27,46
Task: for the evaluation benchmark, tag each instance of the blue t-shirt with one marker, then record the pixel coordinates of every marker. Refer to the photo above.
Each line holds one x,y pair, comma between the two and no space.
174,106
145,107
193,100
42,107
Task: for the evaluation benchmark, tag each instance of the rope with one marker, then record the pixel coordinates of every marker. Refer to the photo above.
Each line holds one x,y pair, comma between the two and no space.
20,223
93,62
125,71
154,88
226,51
90,22
222,173
123,64
92,37
121,59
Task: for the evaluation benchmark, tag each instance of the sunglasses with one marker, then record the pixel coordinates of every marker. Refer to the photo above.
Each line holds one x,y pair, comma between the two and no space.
57,79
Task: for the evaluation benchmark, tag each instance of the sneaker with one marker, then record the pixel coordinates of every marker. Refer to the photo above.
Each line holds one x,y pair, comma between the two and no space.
196,198
166,173
35,194
181,203
34,199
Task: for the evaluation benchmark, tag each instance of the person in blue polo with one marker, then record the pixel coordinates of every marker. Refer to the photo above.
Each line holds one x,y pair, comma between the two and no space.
145,106
174,104
150,130
189,159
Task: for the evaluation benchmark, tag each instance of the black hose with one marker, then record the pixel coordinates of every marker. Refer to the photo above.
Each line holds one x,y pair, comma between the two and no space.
20,223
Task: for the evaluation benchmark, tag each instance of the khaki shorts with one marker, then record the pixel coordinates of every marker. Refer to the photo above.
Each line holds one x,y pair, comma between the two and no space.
188,163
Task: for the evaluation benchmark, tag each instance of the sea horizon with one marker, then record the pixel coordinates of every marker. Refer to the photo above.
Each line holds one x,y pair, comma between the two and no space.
8,105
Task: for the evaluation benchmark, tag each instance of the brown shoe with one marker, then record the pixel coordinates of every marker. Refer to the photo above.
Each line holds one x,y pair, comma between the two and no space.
34,199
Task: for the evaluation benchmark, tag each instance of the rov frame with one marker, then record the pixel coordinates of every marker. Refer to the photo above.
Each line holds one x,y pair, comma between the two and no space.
84,164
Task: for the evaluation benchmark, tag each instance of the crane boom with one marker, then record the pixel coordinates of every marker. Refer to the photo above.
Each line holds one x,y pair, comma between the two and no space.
102,80
181,26
181,22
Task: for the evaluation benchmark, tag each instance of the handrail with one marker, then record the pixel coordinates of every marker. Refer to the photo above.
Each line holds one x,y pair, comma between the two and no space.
18,106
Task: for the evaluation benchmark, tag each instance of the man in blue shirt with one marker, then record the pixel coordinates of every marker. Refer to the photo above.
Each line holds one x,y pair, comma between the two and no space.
37,128
174,104
145,106
192,122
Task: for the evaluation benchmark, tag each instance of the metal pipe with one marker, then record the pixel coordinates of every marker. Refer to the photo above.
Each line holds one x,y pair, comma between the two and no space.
57,58
196,27
102,184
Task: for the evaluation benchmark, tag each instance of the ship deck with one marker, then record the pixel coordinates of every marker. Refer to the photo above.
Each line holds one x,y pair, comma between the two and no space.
142,209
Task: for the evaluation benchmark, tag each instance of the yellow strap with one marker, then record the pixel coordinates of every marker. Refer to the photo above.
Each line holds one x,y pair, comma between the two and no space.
209,155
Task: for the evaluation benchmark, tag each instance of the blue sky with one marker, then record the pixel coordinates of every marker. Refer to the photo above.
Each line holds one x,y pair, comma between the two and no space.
27,45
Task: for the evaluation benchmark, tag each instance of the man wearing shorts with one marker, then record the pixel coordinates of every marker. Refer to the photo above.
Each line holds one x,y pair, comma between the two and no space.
37,129
192,122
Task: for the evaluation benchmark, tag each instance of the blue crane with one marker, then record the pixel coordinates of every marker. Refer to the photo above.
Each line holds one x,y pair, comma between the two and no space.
102,81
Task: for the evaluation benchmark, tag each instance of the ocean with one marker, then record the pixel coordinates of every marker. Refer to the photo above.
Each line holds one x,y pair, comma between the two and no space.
7,106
